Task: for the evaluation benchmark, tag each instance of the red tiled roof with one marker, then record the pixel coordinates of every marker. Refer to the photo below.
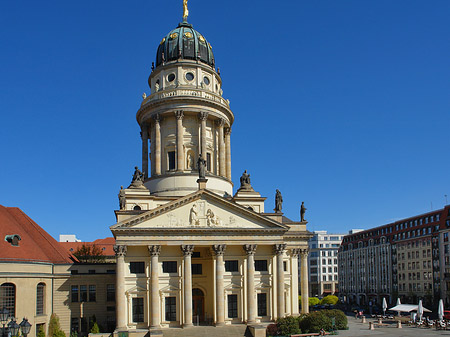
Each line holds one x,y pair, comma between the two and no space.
36,244
106,245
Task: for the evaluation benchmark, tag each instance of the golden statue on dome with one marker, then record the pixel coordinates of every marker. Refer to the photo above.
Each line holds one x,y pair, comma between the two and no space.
185,10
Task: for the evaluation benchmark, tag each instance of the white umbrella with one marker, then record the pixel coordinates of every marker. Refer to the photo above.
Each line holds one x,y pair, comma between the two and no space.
384,306
420,310
441,310
398,303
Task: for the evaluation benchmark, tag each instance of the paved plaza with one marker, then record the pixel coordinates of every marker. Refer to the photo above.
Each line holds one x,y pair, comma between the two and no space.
356,328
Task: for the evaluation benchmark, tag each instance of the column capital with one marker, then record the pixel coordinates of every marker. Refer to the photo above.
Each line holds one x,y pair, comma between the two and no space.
220,122
250,249
227,130
154,250
219,249
295,251
156,118
179,114
203,115
279,248
120,250
304,252
187,249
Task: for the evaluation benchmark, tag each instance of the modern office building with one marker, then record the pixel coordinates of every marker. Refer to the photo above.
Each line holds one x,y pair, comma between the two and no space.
323,263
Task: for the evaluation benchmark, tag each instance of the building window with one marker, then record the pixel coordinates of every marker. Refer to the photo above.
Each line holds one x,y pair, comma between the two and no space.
171,158
232,265
208,161
262,304
110,293
137,267
83,293
8,298
169,266
284,266
232,306
74,325
40,296
74,293
138,309
260,265
171,309
196,268
92,293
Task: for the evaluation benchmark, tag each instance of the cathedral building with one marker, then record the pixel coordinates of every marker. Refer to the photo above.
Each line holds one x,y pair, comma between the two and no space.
188,249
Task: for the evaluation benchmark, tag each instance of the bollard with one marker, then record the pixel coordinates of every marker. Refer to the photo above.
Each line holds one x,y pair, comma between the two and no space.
380,320
371,327
363,319
399,324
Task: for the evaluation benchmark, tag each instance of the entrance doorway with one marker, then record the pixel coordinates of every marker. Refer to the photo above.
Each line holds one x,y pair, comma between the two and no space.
198,306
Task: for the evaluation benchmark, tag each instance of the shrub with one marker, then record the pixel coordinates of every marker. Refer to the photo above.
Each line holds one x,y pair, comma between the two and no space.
95,328
340,318
315,321
41,332
330,299
272,330
288,325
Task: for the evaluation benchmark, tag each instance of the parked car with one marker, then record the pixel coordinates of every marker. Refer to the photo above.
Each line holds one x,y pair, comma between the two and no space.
447,314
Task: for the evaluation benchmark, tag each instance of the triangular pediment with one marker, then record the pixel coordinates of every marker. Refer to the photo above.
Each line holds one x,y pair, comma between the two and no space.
200,210
136,290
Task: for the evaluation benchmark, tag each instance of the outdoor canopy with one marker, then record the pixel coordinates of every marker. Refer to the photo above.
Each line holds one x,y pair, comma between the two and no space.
407,308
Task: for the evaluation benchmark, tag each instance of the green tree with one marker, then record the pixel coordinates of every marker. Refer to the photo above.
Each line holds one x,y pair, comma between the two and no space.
89,254
54,328
330,299
313,301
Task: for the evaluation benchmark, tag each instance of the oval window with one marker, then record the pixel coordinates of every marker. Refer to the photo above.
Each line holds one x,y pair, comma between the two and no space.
189,76
171,77
206,80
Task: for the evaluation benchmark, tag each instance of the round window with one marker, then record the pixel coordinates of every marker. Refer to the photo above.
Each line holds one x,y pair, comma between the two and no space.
206,80
171,77
189,76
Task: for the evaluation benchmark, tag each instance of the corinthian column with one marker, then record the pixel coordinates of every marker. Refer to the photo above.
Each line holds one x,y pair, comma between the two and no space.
180,135
187,281
157,144
279,250
220,290
121,303
222,166
154,252
304,280
144,136
251,307
203,116
228,152
294,280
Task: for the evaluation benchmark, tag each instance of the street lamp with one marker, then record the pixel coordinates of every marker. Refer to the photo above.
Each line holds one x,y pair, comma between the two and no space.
25,327
13,327
4,314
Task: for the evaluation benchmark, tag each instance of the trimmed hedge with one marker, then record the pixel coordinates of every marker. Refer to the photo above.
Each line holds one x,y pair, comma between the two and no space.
315,321
288,326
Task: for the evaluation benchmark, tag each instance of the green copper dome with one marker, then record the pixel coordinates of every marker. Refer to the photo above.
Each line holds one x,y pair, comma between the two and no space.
184,42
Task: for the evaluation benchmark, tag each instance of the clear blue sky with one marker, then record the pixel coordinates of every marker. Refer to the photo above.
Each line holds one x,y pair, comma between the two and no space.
341,104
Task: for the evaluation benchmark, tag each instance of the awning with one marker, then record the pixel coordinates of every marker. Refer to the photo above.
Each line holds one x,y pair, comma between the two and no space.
407,308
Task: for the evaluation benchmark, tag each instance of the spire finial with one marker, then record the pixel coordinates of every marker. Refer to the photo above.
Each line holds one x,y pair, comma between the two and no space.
185,10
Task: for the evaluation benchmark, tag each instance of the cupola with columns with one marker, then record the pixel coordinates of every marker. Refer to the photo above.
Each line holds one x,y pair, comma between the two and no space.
185,116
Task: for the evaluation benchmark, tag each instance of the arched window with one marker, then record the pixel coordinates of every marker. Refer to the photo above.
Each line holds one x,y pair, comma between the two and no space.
40,299
137,208
8,298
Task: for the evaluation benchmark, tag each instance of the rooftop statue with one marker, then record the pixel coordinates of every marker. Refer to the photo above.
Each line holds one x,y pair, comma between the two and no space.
138,179
278,201
185,10
302,211
122,199
245,180
201,164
